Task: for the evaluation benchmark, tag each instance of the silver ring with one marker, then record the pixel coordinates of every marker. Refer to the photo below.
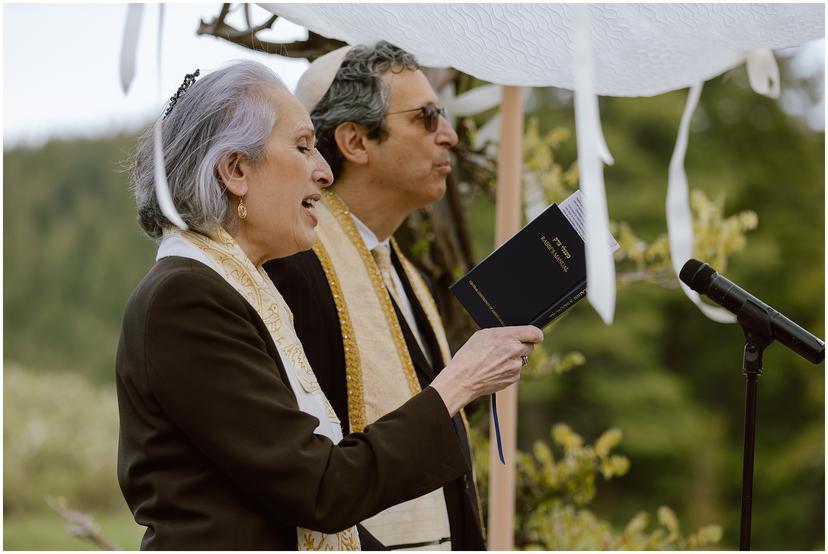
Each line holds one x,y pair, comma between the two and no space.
524,360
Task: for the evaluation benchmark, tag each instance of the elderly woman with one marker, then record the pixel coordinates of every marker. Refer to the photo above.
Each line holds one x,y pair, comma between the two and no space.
226,440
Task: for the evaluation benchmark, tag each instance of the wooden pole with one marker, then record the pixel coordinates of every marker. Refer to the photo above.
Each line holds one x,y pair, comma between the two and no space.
507,223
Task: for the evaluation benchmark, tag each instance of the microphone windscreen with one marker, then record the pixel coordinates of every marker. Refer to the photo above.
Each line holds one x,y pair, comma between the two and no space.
689,269
696,275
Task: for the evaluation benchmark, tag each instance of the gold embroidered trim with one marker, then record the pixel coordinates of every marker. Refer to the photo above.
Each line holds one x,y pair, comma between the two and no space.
353,374
345,540
340,212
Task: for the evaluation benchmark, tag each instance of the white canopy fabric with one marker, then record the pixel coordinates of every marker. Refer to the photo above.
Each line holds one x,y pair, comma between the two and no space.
639,49
605,49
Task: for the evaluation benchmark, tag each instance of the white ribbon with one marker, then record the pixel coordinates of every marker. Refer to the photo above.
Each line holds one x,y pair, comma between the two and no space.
592,151
475,101
162,189
763,73
679,220
129,51
129,44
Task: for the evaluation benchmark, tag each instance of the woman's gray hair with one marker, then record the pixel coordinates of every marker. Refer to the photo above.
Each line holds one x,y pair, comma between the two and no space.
358,94
225,112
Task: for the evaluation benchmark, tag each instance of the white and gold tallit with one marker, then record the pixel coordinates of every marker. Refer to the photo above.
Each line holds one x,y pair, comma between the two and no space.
221,253
380,376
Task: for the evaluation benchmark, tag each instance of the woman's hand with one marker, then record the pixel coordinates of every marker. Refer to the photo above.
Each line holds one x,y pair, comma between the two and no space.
488,362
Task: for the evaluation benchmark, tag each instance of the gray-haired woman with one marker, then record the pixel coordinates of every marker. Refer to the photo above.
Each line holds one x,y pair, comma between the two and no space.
226,440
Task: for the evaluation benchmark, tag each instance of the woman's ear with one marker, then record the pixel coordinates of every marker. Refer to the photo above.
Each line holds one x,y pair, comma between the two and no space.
351,140
233,171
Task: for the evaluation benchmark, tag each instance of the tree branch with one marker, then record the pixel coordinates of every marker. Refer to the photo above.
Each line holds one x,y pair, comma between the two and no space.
312,48
664,278
80,525
225,9
247,19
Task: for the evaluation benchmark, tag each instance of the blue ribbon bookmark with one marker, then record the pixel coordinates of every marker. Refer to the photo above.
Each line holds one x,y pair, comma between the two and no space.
497,428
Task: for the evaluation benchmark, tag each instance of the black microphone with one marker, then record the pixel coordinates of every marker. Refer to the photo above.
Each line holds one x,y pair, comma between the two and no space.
703,279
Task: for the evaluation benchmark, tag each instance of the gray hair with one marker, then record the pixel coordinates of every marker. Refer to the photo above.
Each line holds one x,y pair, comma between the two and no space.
358,94
225,112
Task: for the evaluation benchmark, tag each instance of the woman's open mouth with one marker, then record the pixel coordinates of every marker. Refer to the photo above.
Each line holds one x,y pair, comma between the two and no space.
309,204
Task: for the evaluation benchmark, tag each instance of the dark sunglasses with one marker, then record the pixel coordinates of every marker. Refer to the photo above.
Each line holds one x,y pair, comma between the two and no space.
431,116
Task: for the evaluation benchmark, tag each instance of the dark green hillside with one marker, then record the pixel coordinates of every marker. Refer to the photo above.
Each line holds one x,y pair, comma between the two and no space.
72,253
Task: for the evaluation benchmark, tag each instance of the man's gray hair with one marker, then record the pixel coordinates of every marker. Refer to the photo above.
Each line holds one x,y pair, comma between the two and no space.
225,112
358,94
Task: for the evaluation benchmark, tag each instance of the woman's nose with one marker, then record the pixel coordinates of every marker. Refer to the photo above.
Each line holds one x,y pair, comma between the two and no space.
322,174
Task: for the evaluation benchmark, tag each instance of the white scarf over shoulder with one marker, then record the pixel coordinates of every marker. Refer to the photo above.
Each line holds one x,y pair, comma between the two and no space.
222,254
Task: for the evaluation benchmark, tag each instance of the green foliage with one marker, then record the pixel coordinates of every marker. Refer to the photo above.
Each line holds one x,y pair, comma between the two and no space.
715,238
60,436
543,362
73,252
541,168
556,483
664,374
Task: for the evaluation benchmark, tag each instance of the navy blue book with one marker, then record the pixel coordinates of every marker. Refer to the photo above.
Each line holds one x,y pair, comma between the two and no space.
534,276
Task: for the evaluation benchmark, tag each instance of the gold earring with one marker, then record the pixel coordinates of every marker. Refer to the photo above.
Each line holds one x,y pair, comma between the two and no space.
242,209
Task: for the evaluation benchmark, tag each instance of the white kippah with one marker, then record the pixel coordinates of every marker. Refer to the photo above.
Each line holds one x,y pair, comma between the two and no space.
317,79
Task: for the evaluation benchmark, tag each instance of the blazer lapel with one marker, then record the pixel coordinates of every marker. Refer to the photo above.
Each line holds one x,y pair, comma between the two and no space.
426,333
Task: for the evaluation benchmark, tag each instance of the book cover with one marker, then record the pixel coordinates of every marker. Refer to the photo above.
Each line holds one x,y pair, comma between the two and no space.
534,276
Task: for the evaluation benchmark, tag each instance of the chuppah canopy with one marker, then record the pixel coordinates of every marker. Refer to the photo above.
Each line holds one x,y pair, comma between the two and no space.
604,49
639,49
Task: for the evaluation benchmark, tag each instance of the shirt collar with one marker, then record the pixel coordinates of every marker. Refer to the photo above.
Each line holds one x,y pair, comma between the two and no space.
368,236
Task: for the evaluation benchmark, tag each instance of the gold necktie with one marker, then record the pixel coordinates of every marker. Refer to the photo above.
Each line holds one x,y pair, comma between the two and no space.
382,255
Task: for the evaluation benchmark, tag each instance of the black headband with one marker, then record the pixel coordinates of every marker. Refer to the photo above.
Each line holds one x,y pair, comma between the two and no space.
189,79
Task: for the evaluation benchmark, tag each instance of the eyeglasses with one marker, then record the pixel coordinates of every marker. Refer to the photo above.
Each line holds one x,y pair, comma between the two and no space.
431,115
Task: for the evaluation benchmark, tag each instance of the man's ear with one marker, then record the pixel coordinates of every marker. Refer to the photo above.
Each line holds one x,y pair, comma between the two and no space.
351,140
233,170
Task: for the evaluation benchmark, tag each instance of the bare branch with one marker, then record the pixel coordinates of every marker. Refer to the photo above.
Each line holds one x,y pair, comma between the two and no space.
663,278
312,48
251,31
247,19
80,525
225,9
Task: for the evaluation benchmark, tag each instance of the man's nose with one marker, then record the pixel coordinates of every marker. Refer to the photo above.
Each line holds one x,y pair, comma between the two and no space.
446,136
322,174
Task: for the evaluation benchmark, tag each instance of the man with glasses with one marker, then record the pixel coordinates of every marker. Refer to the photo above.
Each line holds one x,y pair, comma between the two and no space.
364,314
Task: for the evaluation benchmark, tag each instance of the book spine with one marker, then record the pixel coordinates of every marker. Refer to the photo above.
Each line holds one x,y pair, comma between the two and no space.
567,301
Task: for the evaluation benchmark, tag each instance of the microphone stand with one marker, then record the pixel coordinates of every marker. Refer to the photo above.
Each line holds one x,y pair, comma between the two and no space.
756,326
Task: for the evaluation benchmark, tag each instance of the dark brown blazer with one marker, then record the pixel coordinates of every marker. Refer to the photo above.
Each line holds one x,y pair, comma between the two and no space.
213,451
302,281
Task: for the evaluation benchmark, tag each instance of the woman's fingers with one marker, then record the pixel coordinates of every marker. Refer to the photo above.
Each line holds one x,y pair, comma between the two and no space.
525,349
527,333
491,360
